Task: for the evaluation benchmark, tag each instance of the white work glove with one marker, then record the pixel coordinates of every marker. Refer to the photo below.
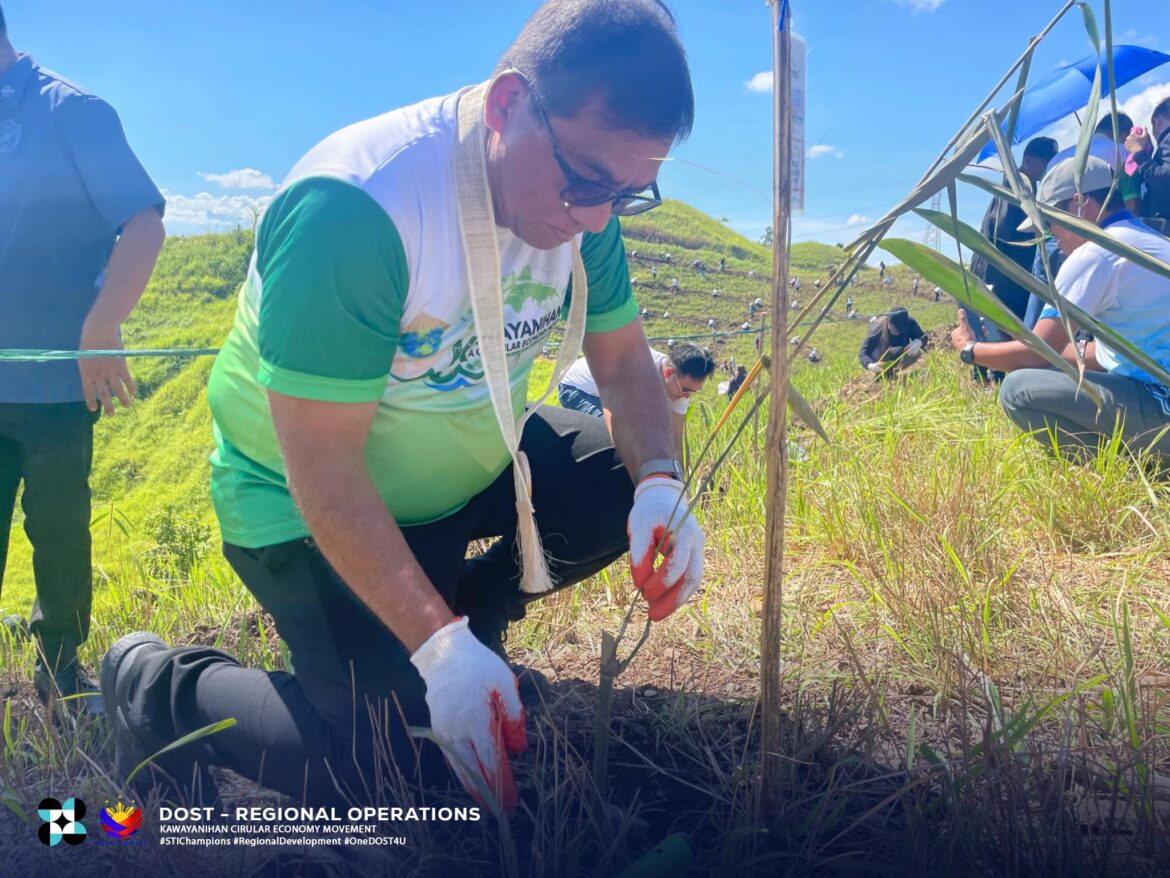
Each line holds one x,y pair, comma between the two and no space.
914,347
660,506
475,710
874,367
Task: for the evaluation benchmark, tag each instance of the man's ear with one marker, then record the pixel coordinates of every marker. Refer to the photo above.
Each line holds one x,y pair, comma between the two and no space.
505,99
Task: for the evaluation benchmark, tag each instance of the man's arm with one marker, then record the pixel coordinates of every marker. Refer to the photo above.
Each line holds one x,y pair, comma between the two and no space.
632,393
127,274
679,421
131,206
869,346
323,446
1007,356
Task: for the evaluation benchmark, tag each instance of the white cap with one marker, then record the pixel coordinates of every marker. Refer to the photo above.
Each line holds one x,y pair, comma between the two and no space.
1060,183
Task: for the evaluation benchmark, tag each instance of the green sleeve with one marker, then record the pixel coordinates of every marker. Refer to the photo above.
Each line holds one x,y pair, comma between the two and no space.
1130,186
333,283
611,300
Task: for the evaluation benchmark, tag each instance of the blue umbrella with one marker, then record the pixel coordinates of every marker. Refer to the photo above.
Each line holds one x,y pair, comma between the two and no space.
1066,89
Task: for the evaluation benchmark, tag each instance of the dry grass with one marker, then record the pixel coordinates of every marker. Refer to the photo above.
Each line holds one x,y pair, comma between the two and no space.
976,646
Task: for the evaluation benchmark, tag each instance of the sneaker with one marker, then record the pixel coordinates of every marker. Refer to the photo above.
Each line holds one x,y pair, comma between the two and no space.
72,685
176,774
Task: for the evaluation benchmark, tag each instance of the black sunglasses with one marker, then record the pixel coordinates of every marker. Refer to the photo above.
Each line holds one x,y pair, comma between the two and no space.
583,192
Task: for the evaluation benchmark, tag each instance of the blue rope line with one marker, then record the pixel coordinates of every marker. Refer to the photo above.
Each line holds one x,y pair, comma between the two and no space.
39,356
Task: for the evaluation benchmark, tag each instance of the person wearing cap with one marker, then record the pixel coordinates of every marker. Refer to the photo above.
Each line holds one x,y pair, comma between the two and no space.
80,230
1131,300
684,371
1106,148
371,420
1001,227
893,342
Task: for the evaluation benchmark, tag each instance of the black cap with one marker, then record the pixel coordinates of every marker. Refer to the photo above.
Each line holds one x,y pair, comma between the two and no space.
899,319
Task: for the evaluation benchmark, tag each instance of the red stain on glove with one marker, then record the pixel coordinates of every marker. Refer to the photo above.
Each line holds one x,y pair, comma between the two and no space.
510,737
661,596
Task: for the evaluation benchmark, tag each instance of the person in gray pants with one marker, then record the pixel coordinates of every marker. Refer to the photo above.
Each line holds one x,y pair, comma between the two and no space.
1133,301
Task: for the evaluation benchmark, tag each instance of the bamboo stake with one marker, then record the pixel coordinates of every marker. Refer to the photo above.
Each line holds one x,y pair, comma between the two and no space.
776,438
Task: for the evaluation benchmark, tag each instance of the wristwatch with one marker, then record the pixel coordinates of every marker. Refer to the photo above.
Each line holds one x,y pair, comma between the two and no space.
659,467
967,354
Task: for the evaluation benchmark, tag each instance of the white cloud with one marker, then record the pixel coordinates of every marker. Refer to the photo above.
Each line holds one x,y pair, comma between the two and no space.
1065,132
820,150
1134,37
1141,105
208,210
922,5
858,219
761,82
243,178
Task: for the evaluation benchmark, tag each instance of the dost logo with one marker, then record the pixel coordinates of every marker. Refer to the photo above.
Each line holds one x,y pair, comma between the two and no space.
62,821
121,821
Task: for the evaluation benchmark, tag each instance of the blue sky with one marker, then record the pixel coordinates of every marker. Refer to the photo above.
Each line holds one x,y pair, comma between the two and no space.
210,90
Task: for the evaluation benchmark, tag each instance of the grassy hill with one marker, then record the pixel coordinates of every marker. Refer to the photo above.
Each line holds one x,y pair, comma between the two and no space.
151,471
975,636
153,456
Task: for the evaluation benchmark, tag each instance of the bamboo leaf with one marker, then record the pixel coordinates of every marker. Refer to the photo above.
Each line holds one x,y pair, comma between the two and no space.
976,242
804,412
1087,127
1023,191
1087,230
1021,84
967,288
1110,79
1091,26
1111,90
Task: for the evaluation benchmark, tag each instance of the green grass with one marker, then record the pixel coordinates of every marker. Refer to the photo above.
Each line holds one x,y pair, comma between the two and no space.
985,622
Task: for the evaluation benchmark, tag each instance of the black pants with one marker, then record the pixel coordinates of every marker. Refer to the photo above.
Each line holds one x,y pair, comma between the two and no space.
50,449
334,722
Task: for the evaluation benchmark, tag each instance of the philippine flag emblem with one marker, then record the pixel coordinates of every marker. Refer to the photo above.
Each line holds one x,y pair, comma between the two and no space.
121,821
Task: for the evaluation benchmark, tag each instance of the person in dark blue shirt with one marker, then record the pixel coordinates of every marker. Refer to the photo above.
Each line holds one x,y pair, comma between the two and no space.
80,230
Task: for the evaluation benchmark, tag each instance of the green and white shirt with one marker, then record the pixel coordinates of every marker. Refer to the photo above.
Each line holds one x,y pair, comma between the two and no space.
357,293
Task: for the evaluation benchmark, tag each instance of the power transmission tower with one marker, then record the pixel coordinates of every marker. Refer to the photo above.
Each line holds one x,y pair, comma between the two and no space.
930,235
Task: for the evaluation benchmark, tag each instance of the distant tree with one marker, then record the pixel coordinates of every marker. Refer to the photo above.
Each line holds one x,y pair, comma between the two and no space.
724,220
766,238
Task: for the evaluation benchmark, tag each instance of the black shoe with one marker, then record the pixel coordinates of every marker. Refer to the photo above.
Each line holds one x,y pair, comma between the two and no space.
176,774
72,686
